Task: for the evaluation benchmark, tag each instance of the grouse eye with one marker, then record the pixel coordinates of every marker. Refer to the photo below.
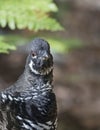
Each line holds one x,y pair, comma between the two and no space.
33,54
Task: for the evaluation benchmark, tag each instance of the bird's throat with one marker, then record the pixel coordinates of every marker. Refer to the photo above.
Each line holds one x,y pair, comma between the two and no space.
43,71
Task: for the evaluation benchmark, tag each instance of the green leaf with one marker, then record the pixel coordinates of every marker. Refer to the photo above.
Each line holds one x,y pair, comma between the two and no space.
3,19
11,22
31,14
4,47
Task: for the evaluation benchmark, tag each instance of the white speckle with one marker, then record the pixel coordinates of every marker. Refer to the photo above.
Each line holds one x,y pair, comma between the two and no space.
26,126
33,125
10,97
16,99
28,98
4,95
49,123
20,118
44,126
35,96
46,87
43,86
38,87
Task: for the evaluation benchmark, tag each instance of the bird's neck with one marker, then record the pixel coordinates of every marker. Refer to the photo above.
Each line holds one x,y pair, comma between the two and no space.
39,81
47,77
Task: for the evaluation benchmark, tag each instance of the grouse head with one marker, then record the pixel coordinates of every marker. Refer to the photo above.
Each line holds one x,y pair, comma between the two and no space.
40,60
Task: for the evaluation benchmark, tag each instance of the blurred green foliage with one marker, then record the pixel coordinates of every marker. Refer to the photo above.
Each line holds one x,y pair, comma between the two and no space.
62,45
58,44
9,42
26,14
31,14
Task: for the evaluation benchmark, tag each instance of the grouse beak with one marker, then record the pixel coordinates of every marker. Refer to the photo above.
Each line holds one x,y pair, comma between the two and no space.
45,56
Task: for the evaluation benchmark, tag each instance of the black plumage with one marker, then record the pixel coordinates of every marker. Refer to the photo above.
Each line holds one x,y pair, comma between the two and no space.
30,104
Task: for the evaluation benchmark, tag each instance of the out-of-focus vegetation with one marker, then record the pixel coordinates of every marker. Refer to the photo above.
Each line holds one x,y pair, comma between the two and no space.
59,45
63,45
32,16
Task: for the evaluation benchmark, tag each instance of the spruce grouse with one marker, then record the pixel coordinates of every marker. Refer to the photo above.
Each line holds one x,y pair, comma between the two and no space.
30,103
